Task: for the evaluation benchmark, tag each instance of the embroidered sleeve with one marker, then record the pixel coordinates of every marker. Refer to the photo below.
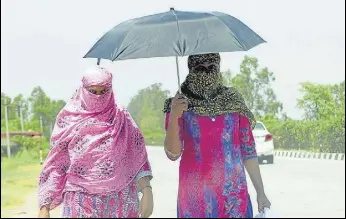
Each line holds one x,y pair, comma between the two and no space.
145,172
247,141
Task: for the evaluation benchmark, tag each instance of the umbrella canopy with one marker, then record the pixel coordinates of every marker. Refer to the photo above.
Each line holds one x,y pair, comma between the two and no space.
175,33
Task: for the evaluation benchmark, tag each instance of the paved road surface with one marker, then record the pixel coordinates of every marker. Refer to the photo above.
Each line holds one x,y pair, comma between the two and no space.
296,187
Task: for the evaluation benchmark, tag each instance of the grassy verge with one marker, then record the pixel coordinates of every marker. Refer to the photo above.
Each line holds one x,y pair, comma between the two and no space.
19,178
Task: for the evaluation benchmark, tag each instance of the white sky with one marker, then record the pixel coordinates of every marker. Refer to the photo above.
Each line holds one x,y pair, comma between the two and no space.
43,42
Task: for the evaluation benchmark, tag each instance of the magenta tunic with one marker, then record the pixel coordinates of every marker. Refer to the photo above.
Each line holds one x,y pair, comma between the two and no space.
212,180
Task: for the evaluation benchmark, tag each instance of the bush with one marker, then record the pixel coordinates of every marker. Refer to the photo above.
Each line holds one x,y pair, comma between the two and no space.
319,136
154,138
30,146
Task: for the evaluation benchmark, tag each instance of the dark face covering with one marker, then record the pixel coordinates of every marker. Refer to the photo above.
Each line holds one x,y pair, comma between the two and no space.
204,78
206,94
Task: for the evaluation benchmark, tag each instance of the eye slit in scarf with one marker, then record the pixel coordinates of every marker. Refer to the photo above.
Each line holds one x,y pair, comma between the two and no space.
98,90
206,94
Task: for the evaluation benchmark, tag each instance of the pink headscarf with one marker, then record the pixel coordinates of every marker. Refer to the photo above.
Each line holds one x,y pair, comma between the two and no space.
104,148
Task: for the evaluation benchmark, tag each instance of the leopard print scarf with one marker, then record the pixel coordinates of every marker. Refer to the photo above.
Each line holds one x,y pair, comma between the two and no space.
205,93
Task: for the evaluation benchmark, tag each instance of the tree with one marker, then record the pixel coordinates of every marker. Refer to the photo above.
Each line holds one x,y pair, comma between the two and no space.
20,103
322,102
323,126
43,107
13,121
255,85
339,96
55,107
40,104
11,113
146,109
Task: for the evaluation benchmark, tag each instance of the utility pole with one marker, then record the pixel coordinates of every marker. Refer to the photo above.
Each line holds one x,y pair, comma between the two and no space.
7,132
41,124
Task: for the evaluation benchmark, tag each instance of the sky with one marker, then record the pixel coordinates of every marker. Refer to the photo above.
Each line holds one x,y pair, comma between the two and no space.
43,42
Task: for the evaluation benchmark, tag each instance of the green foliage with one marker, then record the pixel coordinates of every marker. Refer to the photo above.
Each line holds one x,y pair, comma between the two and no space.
322,102
323,126
255,86
32,145
43,107
33,108
11,113
146,109
317,136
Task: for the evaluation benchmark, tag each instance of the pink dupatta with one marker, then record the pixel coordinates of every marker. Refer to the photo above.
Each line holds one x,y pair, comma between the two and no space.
96,147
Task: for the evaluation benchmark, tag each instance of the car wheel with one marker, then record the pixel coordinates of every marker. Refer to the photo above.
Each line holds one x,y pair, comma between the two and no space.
260,160
270,159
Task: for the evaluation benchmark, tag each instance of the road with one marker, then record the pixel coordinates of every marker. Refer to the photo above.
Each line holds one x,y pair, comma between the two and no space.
296,187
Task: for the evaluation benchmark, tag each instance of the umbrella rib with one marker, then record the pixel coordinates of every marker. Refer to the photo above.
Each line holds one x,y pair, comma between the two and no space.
178,29
235,37
113,59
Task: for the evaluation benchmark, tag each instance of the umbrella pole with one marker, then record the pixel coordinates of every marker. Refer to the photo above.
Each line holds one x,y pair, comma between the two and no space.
178,73
98,61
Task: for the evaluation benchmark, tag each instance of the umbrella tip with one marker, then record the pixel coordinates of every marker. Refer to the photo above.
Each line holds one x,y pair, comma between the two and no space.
171,8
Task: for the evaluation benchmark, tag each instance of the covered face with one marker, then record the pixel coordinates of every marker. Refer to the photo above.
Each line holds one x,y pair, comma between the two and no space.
96,90
205,92
204,76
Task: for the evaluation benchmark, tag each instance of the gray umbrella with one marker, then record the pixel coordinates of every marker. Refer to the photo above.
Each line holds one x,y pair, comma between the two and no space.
174,33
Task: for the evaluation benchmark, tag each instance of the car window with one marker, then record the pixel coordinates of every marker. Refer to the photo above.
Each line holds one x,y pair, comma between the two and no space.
259,126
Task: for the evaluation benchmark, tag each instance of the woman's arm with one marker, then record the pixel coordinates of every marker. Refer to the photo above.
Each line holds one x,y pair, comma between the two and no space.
248,148
173,145
144,176
249,154
252,168
147,202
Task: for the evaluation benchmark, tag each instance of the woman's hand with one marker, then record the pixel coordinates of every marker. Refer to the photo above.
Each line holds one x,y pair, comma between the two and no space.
44,213
263,202
179,105
147,203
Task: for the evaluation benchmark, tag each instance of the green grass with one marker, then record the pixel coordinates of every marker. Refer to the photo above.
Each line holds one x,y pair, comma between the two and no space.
19,178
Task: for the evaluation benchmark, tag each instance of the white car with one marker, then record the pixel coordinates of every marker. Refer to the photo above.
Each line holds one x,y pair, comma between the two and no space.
264,143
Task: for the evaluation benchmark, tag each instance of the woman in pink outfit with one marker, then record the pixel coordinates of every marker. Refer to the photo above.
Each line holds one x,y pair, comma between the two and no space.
98,161
210,128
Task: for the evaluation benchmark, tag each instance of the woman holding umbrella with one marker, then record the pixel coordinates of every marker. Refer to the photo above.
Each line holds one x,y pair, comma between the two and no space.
98,162
209,125
210,128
